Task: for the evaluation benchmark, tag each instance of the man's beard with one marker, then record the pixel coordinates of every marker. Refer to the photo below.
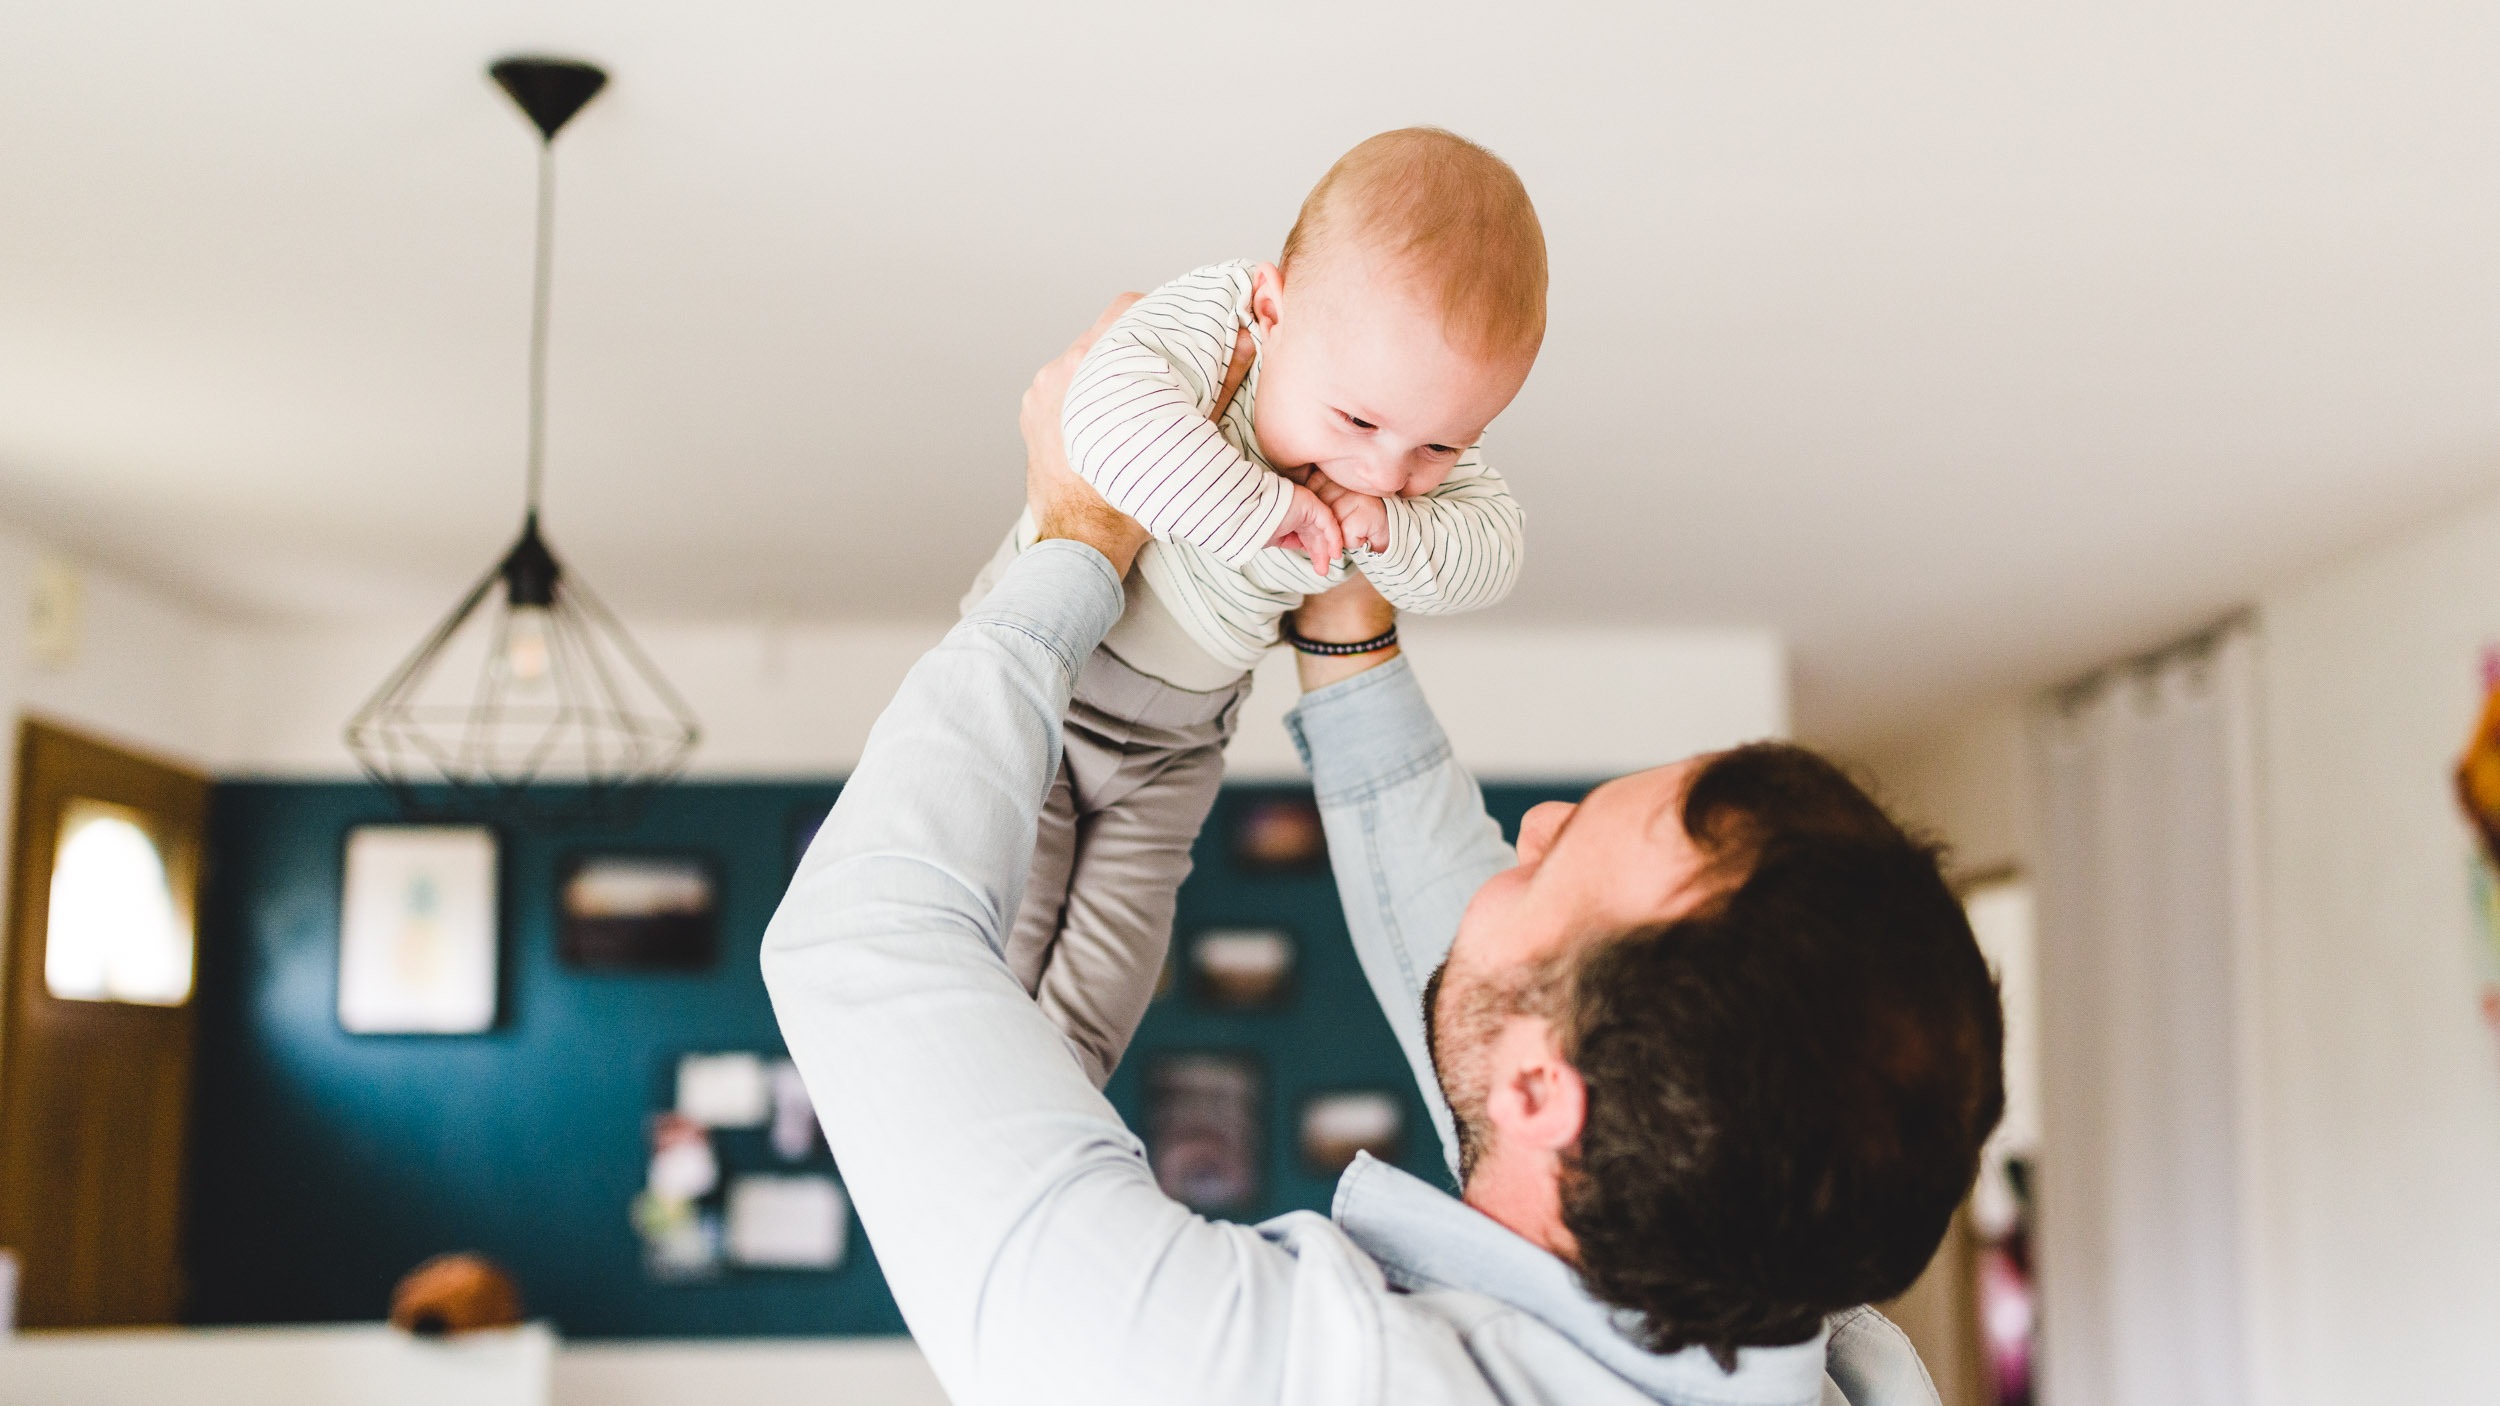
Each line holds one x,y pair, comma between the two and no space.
1465,1096
1479,1010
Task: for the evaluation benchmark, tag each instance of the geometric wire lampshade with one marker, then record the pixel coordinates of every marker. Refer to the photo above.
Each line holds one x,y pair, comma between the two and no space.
530,683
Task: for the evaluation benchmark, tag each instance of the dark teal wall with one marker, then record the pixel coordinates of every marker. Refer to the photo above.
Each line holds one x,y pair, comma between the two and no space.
325,1165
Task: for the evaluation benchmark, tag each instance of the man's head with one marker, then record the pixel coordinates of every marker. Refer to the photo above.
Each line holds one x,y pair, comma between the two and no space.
1722,1039
1403,315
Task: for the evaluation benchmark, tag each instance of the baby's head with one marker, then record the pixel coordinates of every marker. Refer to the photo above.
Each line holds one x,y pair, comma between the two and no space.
1403,315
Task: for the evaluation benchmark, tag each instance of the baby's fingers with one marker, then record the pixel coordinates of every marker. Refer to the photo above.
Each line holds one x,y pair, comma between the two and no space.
1320,530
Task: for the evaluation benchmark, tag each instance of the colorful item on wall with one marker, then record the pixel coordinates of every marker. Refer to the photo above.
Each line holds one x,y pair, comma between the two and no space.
1202,1129
2478,794
681,1237
639,912
417,927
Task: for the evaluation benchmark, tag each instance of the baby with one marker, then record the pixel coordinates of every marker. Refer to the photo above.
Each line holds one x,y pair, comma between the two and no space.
1273,426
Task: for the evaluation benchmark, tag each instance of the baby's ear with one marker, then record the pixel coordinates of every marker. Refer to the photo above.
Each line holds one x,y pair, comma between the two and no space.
1267,295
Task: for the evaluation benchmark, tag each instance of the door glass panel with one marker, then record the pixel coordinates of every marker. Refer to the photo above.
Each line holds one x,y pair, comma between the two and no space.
116,932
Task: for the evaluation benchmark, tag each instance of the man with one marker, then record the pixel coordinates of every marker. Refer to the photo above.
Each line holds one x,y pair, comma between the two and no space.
1718,1054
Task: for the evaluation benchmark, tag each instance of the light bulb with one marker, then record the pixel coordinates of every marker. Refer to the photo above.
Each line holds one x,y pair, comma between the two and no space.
525,655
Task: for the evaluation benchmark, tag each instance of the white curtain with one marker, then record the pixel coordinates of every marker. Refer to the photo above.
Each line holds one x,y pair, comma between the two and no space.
2147,910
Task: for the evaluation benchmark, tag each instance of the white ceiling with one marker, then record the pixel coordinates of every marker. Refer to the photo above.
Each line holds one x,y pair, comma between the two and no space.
1968,344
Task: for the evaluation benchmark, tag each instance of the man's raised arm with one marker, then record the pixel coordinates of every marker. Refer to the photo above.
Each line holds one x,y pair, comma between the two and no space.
1024,1238
1408,836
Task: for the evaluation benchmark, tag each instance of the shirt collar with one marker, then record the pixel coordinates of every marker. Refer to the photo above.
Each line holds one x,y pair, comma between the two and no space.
1424,1238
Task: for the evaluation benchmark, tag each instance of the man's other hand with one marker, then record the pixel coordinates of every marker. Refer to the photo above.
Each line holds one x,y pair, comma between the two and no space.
1064,505
1351,612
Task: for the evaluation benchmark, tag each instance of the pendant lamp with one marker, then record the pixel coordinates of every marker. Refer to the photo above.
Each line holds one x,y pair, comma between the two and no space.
529,701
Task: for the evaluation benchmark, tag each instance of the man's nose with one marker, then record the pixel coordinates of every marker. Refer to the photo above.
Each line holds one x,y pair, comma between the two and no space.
1539,826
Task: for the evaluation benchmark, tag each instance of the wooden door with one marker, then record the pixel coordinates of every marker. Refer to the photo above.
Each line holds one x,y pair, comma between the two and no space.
95,1035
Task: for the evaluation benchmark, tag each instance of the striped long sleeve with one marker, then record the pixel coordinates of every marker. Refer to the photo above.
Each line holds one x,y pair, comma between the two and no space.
1137,429
1456,548
1137,426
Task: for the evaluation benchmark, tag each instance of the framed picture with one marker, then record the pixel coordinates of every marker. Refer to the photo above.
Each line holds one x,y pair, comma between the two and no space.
1279,835
1336,1126
638,912
1202,1129
417,929
1242,968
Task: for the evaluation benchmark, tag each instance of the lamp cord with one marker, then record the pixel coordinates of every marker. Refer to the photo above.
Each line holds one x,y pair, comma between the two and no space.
540,278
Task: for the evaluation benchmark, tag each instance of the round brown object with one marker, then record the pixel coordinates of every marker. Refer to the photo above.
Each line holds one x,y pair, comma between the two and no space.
452,1294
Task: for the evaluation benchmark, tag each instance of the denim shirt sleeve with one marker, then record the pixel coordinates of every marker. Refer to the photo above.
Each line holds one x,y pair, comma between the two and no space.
1024,1238
1409,840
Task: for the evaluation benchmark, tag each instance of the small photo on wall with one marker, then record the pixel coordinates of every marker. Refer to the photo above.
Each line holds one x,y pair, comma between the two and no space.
1242,968
1202,1129
638,912
729,1090
787,1222
417,928
1279,835
1337,1126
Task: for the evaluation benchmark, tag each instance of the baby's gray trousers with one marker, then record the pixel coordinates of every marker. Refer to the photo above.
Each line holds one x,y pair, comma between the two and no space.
1141,764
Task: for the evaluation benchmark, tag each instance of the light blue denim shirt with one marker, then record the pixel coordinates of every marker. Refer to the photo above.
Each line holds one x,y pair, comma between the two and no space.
1022,1234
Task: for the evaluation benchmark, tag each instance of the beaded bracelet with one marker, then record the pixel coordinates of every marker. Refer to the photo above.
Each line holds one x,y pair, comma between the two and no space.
1370,646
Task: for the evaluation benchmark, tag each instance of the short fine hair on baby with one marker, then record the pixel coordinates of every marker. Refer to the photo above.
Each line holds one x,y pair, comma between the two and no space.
1453,215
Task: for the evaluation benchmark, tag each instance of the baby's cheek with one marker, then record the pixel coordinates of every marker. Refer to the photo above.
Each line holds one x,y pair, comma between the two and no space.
1286,439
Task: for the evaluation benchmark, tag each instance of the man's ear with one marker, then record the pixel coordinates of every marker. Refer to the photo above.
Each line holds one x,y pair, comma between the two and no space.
1267,295
1537,1100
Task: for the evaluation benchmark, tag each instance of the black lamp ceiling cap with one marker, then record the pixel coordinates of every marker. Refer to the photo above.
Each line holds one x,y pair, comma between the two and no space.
530,571
550,90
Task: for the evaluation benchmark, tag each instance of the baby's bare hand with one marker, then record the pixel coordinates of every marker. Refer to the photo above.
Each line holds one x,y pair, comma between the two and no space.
1363,518
1310,527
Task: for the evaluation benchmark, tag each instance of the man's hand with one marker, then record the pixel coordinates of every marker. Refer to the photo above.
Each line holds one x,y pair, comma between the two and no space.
1065,506
1363,518
1351,613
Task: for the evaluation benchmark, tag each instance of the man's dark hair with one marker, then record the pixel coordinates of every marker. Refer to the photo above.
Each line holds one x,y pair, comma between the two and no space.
1787,1087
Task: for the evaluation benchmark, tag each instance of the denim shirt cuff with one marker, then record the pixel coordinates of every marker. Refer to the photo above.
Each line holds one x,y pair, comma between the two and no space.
1366,733
1060,593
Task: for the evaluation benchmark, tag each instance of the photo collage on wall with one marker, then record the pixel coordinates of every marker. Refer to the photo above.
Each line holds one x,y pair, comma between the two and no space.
740,1179
700,1219
1205,1108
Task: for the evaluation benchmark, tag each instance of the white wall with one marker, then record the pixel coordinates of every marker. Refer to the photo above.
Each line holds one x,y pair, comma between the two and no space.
1966,781
2372,1131
139,674
798,699
2378,1107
